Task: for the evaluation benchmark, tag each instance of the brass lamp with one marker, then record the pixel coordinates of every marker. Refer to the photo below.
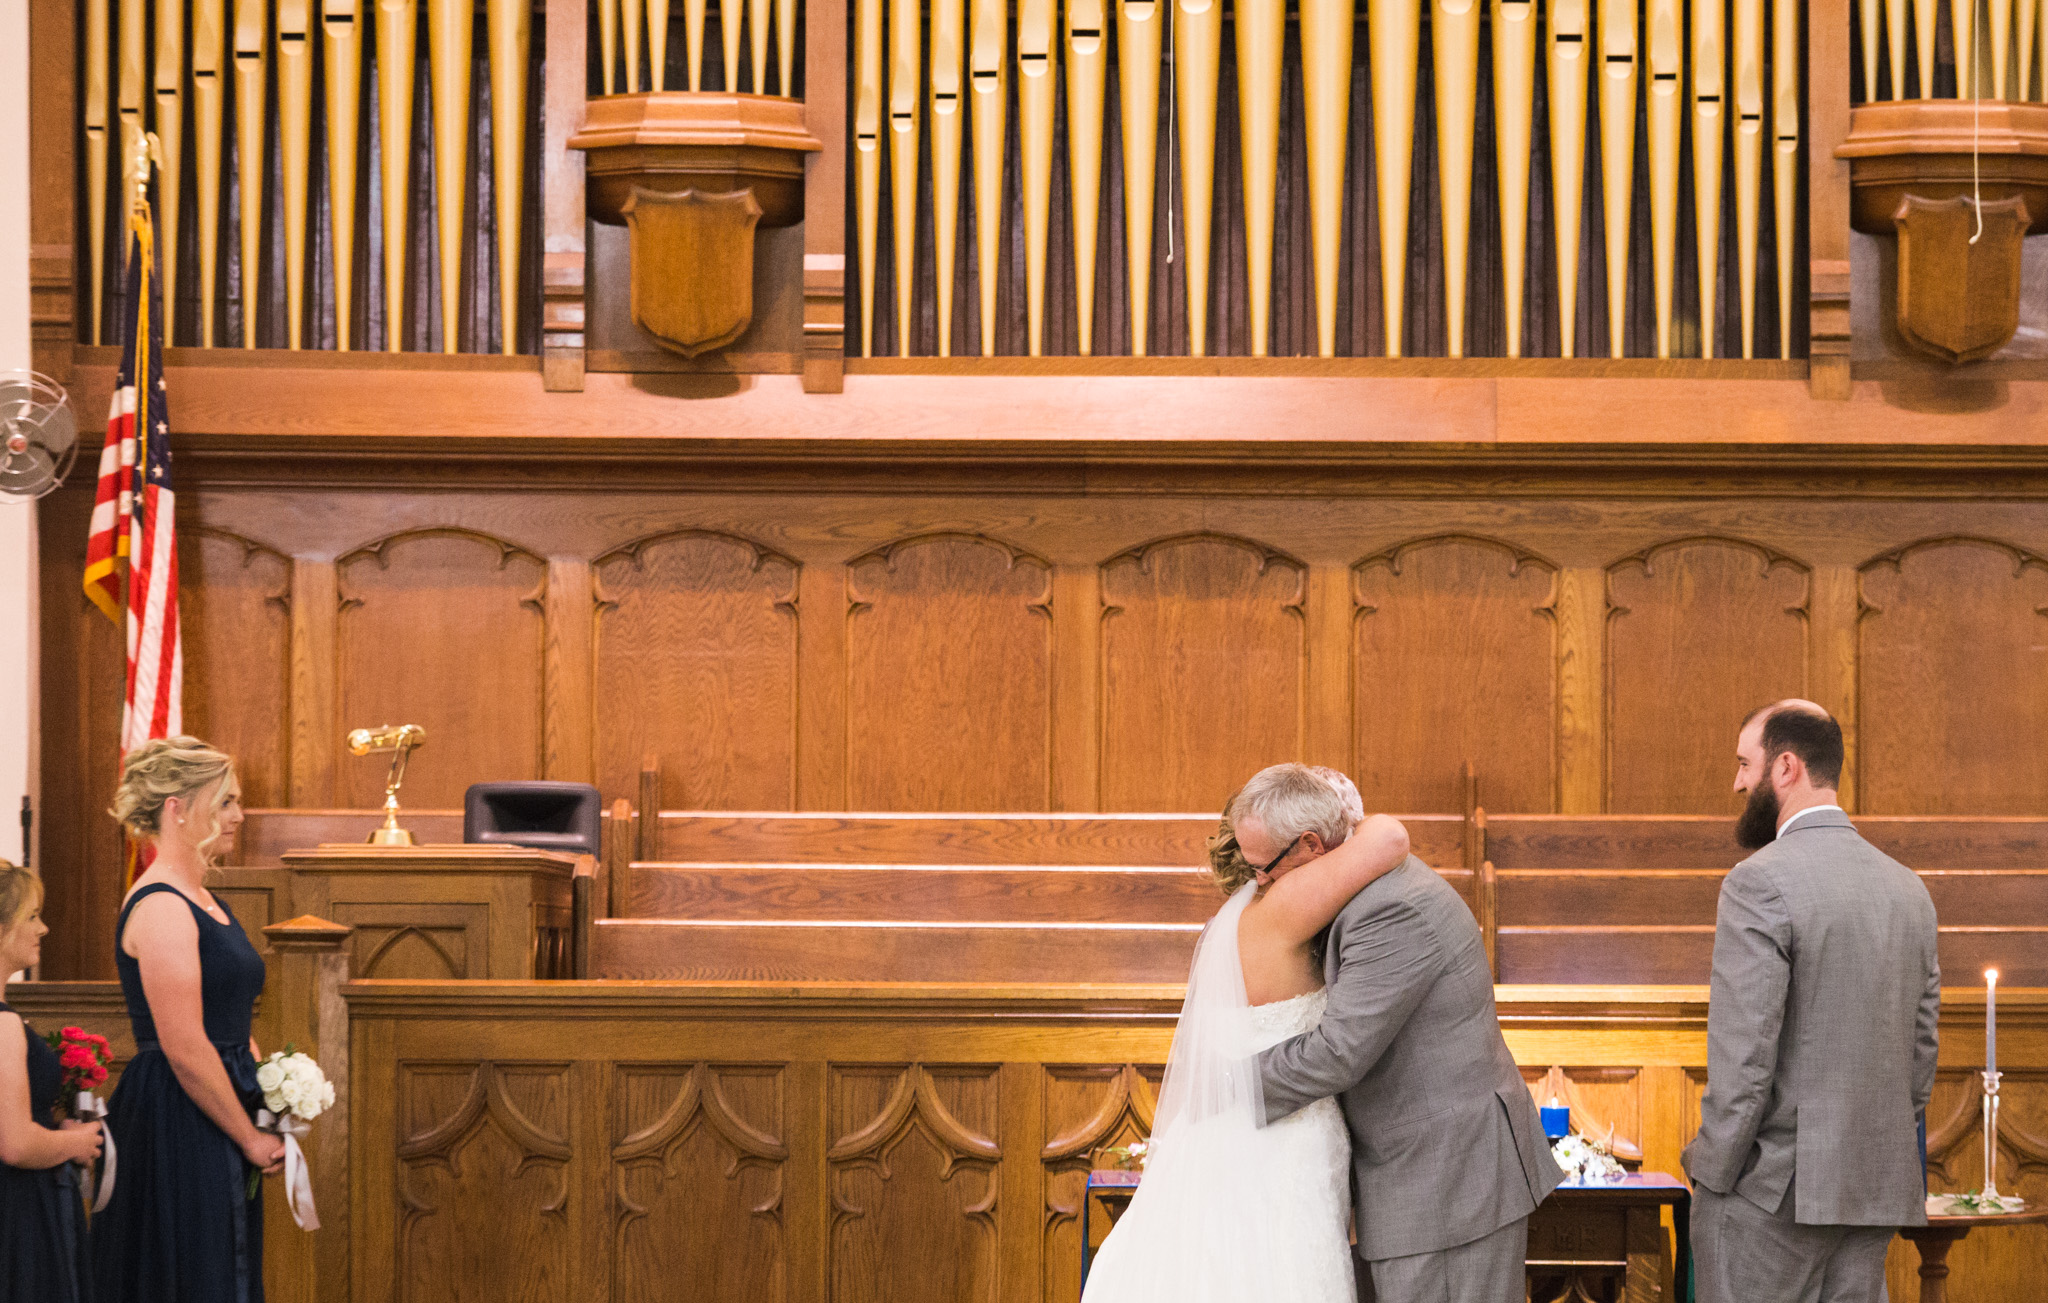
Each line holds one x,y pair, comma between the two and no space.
399,740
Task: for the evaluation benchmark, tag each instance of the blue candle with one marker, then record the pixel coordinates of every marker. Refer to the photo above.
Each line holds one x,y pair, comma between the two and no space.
1557,1121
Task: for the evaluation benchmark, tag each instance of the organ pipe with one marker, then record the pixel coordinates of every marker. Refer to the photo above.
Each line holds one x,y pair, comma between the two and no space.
1087,83
1749,134
1394,35
1326,47
1261,29
867,158
1037,104
450,31
1139,37
1514,120
1709,130
988,81
1785,152
295,150
251,49
343,53
1567,156
397,37
1455,37
905,90
95,115
510,25
1617,154
948,110
168,84
1666,116
209,114
1197,64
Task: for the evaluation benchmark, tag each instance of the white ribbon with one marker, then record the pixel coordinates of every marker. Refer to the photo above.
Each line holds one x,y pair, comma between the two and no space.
298,1173
89,1107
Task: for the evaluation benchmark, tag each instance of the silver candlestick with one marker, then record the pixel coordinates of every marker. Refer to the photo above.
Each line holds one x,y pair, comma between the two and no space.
1991,1080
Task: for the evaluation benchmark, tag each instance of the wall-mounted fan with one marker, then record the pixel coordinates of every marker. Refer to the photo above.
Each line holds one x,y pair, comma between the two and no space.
38,434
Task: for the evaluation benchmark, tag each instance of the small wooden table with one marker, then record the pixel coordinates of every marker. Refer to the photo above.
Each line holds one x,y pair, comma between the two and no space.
1940,1234
1579,1232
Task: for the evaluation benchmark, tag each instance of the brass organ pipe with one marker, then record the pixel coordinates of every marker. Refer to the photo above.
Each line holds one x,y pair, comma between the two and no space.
1568,40
988,73
1617,75
1749,137
693,38
1261,30
1087,84
1867,11
729,38
1140,38
1666,117
1197,65
657,46
169,86
510,24
1394,38
608,42
1923,41
397,47
252,34
209,114
1709,129
133,78
757,37
785,47
1514,124
1785,152
342,51
632,16
1037,92
867,144
1895,46
948,109
97,50
1455,38
2028,14
1326,46
451,27
1962,16
295,148
905,89
2001,44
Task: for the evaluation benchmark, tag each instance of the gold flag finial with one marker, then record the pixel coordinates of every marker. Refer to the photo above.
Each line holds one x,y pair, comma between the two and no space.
148,152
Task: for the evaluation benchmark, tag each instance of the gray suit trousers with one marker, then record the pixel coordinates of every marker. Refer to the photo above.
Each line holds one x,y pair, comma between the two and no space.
1742,1254
1488,1270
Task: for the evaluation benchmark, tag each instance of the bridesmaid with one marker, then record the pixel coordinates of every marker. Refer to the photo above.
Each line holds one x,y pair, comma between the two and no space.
42,1220
181,1227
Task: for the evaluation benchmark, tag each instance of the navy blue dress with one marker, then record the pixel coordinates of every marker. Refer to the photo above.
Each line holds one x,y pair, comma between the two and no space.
181,1227
42,1218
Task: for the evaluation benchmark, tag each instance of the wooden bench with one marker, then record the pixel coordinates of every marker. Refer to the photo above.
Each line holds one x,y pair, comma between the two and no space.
926,897
1632,899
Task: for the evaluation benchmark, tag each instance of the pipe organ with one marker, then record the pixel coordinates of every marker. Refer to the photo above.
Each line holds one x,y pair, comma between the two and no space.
207,76
1997,50
1562,221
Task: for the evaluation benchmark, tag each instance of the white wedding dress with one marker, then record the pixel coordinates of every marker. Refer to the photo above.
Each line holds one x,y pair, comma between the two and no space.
1230,1211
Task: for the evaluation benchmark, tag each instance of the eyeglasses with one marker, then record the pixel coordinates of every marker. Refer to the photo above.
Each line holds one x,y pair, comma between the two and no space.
1284,852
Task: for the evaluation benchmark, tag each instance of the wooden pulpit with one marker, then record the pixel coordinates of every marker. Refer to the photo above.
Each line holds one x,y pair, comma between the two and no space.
438,912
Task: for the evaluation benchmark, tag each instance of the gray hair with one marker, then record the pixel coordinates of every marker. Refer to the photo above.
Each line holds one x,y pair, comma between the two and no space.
1291,800
1347,791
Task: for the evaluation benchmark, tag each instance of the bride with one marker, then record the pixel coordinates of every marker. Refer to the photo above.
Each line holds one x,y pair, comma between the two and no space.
1229,1211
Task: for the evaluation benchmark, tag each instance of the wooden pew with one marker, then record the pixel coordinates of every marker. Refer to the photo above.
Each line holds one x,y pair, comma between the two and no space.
1124,840
1616,898
932,893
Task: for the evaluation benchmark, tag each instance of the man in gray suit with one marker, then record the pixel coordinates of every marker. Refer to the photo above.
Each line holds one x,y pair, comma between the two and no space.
1448,1154
1821,1036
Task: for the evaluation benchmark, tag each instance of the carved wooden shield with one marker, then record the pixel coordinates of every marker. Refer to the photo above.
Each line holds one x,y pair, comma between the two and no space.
1959,301
693,266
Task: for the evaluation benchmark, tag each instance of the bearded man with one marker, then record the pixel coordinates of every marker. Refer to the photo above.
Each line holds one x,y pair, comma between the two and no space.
1821,1037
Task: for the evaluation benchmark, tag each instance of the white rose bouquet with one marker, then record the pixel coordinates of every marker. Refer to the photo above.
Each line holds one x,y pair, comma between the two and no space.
295,1092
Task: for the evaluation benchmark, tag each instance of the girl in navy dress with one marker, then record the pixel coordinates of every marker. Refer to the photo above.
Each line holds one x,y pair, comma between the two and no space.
42,1217
181,1227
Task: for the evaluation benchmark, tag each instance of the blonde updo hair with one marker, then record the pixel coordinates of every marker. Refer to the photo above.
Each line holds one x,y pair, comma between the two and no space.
20,892
168,767
1227,863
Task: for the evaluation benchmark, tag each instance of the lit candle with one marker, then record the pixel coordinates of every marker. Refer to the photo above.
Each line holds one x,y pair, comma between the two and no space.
1990,1020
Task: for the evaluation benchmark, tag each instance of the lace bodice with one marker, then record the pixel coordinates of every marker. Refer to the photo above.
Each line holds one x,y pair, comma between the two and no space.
1275,1022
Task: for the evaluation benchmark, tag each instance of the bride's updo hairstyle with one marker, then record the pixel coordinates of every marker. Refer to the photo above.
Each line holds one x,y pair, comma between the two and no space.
1227,863
1290,800
168,767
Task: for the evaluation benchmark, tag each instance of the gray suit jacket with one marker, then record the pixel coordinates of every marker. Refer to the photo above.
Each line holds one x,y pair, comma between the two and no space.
1446,1144
1821,1031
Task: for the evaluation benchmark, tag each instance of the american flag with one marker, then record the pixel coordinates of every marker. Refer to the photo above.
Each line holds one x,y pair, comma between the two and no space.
132,518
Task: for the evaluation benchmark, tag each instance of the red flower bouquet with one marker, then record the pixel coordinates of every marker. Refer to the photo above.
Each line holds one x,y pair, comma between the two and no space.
83,1057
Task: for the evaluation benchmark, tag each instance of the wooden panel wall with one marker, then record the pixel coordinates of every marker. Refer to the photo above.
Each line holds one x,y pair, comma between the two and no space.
916,632
855,1145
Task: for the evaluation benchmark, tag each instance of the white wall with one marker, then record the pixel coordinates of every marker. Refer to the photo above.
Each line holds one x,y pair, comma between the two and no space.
18,696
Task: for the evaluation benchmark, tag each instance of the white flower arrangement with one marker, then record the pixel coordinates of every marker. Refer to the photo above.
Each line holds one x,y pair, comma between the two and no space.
1130,1157
1586,1162
294,1086
295,1092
